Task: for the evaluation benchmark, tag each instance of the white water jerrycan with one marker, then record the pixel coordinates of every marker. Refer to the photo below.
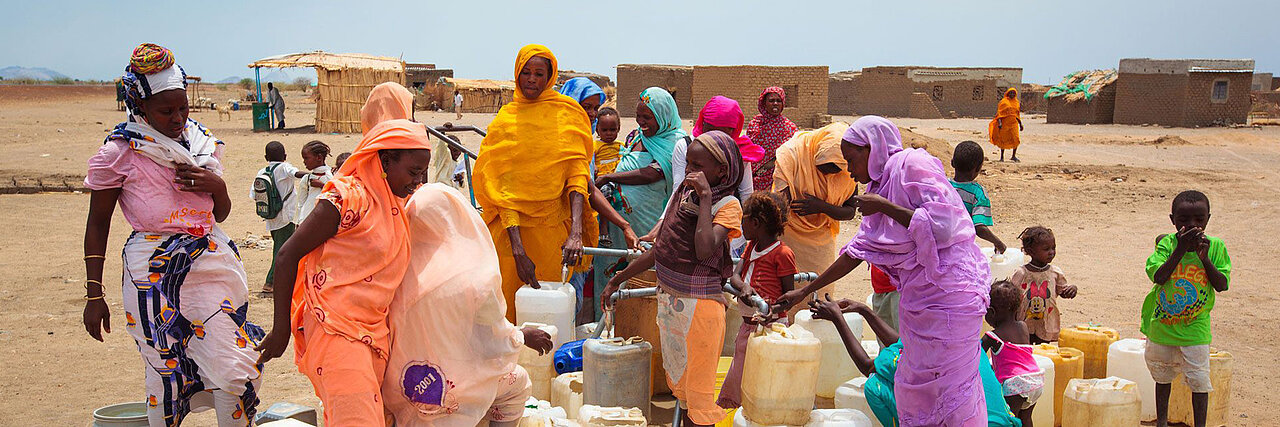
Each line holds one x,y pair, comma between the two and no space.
850,395
1127,359
1042,415
553,304
780,375
836,366
566,392
1101,402
1003,265
615,373
597,416
541,368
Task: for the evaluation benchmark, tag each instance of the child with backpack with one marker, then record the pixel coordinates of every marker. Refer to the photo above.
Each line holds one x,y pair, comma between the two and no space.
273,197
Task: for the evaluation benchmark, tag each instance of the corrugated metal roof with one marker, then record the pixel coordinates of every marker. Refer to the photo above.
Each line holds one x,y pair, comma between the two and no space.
331,61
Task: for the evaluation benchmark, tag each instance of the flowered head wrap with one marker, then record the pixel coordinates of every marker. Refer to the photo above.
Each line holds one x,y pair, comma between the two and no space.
151,70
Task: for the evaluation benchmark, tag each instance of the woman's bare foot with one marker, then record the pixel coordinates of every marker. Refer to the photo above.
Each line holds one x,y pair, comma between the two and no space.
268,291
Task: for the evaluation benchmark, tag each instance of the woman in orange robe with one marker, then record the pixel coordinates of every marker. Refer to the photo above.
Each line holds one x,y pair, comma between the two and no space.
1003,134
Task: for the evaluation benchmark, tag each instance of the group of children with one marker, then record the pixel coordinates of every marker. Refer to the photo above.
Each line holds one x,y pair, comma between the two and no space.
285,195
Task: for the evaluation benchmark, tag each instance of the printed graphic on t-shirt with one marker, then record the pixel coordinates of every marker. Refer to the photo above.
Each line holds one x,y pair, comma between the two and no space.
1184,297
1037,299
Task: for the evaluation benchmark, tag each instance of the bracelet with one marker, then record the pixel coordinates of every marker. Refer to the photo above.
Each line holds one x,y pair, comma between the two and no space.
89,257
93,282
89,298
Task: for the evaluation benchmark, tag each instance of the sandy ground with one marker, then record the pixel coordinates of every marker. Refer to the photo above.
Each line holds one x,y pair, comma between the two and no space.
1105,190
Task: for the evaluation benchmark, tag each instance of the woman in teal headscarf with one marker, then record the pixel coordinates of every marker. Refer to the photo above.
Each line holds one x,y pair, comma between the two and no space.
644,169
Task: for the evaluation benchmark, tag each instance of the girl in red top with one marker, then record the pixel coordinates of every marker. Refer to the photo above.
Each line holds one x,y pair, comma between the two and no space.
768,268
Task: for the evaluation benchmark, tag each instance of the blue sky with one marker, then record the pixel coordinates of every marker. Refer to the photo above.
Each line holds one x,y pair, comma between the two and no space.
479,39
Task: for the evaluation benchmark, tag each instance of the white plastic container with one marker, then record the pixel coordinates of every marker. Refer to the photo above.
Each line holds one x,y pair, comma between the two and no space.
540,413
1003,265
553,305
780,375
1107,401
596,416
850,395
836,366
542,369
133,414
819,418
872,347
1127,359
1042,415
615,373
566,392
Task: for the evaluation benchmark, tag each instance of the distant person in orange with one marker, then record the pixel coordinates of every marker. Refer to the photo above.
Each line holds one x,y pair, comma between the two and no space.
1003,134
337,276
531,177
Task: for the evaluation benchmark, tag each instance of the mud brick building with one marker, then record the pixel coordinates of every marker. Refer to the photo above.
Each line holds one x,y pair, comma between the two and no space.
692,86
908,91
1183,92
1083,97
421,75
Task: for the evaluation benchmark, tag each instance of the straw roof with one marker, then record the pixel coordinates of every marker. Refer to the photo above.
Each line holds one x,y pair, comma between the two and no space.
475,84
331,61
1082,85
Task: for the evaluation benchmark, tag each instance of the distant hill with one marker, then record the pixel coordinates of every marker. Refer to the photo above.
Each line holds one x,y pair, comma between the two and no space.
230,80
16,72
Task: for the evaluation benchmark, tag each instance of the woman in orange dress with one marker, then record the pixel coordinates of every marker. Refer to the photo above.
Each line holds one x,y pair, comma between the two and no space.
1003,134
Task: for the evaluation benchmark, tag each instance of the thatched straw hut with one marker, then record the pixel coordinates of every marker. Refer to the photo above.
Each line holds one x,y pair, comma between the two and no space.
343,82
1083,97
478,96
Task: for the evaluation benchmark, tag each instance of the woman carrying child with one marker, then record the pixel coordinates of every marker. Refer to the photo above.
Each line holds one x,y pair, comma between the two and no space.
916,230
348,259
185,292
531,177
691,256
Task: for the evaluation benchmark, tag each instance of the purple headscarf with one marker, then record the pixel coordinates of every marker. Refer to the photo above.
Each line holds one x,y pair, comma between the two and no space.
881,135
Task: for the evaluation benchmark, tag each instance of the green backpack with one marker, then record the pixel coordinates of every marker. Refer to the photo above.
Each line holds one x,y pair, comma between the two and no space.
266,195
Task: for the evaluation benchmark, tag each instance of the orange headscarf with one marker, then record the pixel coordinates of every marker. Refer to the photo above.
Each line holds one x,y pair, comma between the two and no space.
797,170
348,282
387,101
535,155
1005,135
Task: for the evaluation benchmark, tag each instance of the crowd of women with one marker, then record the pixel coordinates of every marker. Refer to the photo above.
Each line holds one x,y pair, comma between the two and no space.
399,297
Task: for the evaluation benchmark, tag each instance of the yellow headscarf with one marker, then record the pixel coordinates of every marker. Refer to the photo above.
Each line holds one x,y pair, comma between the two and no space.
797,170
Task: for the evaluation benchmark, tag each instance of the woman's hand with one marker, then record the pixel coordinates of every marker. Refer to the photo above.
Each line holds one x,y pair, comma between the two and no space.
872,203
653,235
851,306
602,180
826,309
788,300
571,252
525,269
809,205
97,318
629,235
537,339
1068,292
272,345
198,180
698,182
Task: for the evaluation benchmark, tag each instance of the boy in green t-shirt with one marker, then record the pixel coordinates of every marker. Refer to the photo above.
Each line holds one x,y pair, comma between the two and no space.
1175,314
967,161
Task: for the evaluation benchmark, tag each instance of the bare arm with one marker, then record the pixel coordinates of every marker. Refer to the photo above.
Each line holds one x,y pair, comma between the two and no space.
572,249
319,227
840,268
102,204
602,207
642,176
643,263
708,237
985,233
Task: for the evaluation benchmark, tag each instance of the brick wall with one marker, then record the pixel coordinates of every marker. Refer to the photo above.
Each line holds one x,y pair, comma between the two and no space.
635,78
1100,109
1201,110
923,107
883,91
1150,98
841,92
966,98
806,88
1032,98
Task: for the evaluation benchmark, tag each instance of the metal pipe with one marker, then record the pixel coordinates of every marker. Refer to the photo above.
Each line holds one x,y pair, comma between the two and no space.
612,253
